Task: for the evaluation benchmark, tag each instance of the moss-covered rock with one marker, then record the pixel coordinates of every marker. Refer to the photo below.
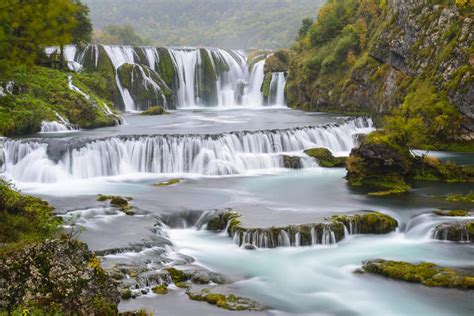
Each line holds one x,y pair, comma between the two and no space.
460,197
154,110
225,301
57,275
278,61
168,182
254,56
432,169
327,231
160,289
425,273
453,213
119,202
292,162
325,157
455,231
370,223
166,67
207,77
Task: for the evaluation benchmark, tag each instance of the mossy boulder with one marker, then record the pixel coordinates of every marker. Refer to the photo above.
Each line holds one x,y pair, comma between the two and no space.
426,273
467,198
380,167
57,274
325,157
462,231
432,169
278,61
254,56
370,223
154,110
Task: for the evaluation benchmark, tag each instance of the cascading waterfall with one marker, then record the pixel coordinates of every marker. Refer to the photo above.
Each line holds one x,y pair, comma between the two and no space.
222,154
60,126
227,82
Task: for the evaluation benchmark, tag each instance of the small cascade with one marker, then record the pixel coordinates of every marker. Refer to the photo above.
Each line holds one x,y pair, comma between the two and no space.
60,126
277,89
76,89
222,154
454,231
253,94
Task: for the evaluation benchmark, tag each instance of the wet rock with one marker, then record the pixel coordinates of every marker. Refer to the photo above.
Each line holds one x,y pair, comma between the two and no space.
161,289
425,273
455,231
292,162
154,110
197,275
325,157
168,182
63,273
249,247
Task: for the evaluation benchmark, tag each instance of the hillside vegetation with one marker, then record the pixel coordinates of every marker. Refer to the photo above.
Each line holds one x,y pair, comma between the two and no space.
239,24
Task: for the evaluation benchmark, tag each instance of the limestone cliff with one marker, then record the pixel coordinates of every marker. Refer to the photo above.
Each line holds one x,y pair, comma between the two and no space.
383,51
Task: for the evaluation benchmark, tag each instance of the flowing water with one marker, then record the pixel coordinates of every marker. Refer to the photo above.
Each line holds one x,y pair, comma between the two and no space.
231,157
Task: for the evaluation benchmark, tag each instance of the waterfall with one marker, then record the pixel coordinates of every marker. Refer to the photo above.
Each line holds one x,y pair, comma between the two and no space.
221,78
231,153
253,95
53,127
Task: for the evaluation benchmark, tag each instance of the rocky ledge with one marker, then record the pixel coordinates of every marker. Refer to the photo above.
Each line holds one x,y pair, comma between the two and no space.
325,157
61,275
428,274
328,231
462,231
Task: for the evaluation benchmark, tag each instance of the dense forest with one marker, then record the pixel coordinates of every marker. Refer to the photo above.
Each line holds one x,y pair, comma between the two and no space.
221,23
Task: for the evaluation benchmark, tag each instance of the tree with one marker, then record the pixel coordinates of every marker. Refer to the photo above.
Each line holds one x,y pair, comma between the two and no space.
82,31
118,35
305,26
28,26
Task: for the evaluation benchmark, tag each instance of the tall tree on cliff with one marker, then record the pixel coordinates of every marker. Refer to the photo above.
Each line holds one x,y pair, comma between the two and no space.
28,26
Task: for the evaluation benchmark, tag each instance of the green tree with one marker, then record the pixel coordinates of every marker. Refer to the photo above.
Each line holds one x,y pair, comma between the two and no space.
305,26
82,31
28,26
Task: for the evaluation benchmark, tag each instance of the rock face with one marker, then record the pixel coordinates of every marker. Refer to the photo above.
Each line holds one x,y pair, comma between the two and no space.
60,273
402,42
425,273
455,231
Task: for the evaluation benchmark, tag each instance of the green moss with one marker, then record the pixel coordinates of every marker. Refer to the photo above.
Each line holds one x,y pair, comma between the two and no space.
325,157
266,85
370,223
24,219
453,213
425,273
154,110
460,197
126,294
166,67
168,182
182,285
177,276
160,289
119,202
229,302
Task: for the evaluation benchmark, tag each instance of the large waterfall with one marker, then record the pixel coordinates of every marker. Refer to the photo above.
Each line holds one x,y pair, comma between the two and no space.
178,77
231,153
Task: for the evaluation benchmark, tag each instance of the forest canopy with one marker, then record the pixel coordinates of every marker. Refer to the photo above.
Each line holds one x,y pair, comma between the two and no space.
239,24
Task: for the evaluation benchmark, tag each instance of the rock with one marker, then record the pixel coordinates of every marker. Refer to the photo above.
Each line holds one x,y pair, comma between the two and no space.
292,162
378,166
452,213
63,273
249,247
196,275
160,289
425,273
219,297
370,223
325,157
168,182
154,110
469,198
327,231
119,202
455,231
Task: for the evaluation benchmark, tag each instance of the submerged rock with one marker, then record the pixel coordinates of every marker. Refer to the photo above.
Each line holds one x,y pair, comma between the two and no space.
60,273
292,162
455,231
426,273
118,202
325,157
